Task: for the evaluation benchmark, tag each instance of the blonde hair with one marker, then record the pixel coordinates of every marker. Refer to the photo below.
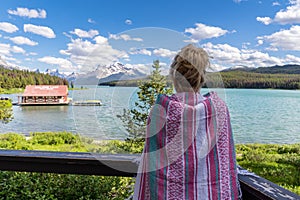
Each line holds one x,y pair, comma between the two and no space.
188,69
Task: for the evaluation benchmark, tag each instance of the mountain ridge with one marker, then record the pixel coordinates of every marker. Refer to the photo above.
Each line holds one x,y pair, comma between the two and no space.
276,69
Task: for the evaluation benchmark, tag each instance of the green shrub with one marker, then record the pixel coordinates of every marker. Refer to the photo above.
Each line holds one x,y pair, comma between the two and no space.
54,138
277,163
24,186
14,141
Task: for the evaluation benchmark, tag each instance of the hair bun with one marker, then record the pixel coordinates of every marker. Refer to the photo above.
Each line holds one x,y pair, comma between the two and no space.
190,64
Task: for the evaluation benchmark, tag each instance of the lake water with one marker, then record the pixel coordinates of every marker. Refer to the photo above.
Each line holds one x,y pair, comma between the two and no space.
257,116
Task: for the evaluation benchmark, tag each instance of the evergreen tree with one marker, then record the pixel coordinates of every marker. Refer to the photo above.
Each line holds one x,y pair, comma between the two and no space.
135,119
6,113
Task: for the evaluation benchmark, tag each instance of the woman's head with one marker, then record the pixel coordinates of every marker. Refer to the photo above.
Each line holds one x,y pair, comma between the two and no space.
188,69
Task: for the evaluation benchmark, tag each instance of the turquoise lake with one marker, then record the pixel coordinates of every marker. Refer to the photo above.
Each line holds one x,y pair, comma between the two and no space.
257,116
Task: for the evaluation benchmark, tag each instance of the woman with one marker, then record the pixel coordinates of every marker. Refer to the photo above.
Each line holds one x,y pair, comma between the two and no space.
189,150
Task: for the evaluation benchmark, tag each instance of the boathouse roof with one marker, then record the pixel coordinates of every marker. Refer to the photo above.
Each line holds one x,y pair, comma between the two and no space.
46,90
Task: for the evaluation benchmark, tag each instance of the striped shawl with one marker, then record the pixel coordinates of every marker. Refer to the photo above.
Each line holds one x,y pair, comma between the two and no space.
189,150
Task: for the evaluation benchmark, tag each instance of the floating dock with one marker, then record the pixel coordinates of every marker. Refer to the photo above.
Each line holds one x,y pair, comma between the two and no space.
87,103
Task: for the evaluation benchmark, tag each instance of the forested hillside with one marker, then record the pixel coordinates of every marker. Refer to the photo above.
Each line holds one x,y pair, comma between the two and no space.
237,79
285,69
20,78
242,79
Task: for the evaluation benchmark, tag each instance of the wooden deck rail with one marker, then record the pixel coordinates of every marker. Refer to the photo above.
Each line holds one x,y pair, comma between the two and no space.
253,187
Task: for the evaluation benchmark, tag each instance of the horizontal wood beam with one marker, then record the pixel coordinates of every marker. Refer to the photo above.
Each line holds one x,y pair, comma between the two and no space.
253,187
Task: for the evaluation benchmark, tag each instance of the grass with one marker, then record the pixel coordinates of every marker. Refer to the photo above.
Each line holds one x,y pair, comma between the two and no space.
11,91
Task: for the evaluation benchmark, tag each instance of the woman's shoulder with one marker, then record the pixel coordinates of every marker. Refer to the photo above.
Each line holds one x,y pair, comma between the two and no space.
214,98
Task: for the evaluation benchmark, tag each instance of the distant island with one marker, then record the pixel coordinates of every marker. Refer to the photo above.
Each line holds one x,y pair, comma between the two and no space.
275,77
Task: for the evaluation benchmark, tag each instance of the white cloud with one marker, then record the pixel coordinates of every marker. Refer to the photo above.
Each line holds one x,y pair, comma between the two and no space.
276,3
264,20
140,51
64,64
17,49
191,41
164,53
144,68
89,54
290,15
128,21
100,40
203,31
7,50
237,1
245,45
284,39
226,55
124,37
8,27
32,54
39,30
292,59
30,13
84,34
90,20
23,40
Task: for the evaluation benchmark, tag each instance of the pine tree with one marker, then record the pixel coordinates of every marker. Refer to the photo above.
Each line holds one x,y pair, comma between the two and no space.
135,119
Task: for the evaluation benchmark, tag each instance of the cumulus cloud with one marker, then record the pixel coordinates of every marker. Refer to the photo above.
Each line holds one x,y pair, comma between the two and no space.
90,20
39,30
90,54
64,64
143,68
84,34
164,52
128,21
140,51
260,42
30,13
7,50
292,59
276,3
284,39
226,55
8,27
124,37
17,49
20,40
202,31
264,20
290,15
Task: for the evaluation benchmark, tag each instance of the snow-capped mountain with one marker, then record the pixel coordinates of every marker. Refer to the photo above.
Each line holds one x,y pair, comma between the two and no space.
115,71
55,72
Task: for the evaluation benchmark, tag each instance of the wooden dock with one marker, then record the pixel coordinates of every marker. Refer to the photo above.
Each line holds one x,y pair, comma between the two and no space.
87,103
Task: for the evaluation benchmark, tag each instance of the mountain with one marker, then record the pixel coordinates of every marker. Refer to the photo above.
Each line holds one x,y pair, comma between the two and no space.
238,68
113,72
277,69
55,72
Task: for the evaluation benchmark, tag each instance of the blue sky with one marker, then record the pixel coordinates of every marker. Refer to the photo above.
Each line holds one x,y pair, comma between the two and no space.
76,35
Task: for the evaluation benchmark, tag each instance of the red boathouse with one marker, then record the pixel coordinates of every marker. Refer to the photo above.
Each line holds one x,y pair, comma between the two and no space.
44,95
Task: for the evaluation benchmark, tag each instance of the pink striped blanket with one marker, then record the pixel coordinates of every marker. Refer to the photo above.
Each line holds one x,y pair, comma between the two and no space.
189,150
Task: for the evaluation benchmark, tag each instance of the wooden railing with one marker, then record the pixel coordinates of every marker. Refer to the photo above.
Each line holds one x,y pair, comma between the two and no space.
253,187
